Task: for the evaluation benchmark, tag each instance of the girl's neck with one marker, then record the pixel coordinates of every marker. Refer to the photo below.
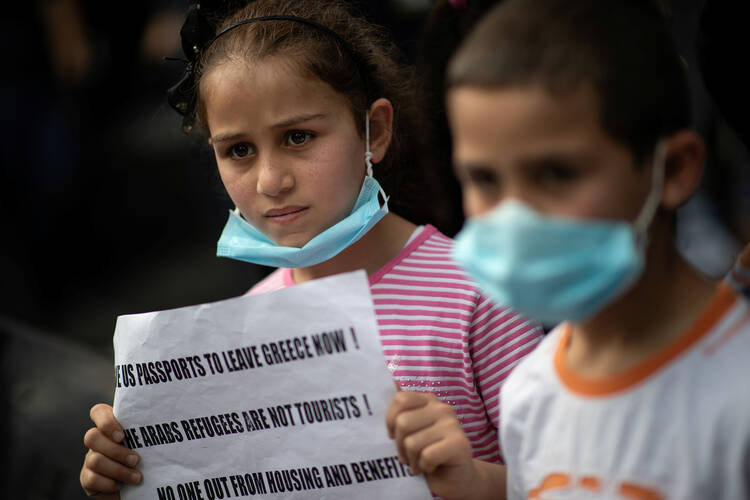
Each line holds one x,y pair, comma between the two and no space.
374,250
667,299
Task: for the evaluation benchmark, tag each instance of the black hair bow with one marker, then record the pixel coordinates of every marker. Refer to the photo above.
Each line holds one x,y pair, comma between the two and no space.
197,31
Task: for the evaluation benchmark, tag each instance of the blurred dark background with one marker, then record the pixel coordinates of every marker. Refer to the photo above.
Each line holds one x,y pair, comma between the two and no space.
107,208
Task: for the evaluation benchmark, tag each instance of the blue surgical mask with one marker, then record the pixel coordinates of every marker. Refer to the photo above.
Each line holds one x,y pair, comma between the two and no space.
240,240
553,269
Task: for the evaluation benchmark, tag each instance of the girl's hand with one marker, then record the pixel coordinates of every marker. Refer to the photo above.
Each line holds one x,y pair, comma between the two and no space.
430,440
108,464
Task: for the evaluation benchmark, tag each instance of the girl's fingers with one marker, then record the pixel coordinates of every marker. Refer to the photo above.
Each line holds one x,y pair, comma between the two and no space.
451,449
103,473
417,442
421,427
402,402
104,419
98,442
417,420
98,486
408,425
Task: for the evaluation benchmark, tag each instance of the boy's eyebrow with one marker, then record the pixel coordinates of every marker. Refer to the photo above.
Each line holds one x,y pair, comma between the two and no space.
556,157
553,159
563,159
470,166
470,169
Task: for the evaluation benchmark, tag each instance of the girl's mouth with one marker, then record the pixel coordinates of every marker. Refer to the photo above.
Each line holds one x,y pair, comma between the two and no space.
285,214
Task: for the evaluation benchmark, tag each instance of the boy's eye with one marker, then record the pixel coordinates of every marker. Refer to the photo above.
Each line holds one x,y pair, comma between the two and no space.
556,173
482,178
297,137
241,150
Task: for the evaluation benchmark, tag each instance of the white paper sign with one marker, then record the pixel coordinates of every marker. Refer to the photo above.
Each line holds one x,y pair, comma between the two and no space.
276,395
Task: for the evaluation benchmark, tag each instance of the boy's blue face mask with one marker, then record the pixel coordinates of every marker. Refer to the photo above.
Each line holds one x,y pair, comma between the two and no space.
240,240
553,269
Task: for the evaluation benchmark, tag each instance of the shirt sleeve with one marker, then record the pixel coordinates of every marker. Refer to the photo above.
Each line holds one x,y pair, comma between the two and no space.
498,339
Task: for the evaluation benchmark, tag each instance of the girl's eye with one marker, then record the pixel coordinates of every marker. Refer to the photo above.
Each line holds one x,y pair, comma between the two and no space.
241,150
298,137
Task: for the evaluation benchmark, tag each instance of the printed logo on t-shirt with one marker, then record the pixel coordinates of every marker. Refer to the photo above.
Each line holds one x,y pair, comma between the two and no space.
560,486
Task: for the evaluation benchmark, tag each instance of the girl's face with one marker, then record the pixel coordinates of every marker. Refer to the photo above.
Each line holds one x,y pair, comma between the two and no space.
287,148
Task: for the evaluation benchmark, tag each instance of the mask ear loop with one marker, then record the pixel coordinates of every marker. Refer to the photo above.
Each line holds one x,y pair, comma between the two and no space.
368,156
368,153
649,209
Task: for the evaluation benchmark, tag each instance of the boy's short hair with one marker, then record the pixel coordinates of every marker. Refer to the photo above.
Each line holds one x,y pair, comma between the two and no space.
622,48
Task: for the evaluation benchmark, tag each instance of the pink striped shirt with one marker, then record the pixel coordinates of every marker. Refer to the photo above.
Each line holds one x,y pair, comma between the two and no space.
440,335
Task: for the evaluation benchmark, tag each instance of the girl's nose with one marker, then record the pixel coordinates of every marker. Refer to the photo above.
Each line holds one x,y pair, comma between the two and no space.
273,179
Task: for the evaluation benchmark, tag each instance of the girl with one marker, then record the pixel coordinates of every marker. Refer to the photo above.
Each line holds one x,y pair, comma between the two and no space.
297,99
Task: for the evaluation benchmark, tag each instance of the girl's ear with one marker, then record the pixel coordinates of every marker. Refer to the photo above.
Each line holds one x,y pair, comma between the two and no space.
683,168
381,128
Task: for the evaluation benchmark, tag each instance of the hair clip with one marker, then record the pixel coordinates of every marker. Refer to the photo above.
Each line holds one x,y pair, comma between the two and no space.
194,34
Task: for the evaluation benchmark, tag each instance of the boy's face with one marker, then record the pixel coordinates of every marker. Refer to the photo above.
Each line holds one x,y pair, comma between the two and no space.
547,151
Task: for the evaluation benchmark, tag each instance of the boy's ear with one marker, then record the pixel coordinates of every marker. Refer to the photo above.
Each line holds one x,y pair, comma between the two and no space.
381,128
683,168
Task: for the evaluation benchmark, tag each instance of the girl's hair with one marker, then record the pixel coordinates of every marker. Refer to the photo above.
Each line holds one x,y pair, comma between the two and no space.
368,66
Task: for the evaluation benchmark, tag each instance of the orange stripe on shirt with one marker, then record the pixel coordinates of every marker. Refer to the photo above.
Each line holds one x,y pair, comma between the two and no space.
723,299
551,482
628,490
590,483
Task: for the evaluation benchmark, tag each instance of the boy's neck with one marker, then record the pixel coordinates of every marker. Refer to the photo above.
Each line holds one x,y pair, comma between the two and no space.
667,299
374,250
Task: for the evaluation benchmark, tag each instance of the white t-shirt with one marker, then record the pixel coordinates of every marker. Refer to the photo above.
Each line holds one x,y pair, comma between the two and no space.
675,426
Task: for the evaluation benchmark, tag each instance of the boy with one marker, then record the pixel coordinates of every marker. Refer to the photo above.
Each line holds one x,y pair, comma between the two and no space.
739,275
573,147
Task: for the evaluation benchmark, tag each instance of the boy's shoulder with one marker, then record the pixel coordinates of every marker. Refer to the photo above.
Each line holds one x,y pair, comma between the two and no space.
693,399
739,276
727,331
534,374
723,354
713,354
